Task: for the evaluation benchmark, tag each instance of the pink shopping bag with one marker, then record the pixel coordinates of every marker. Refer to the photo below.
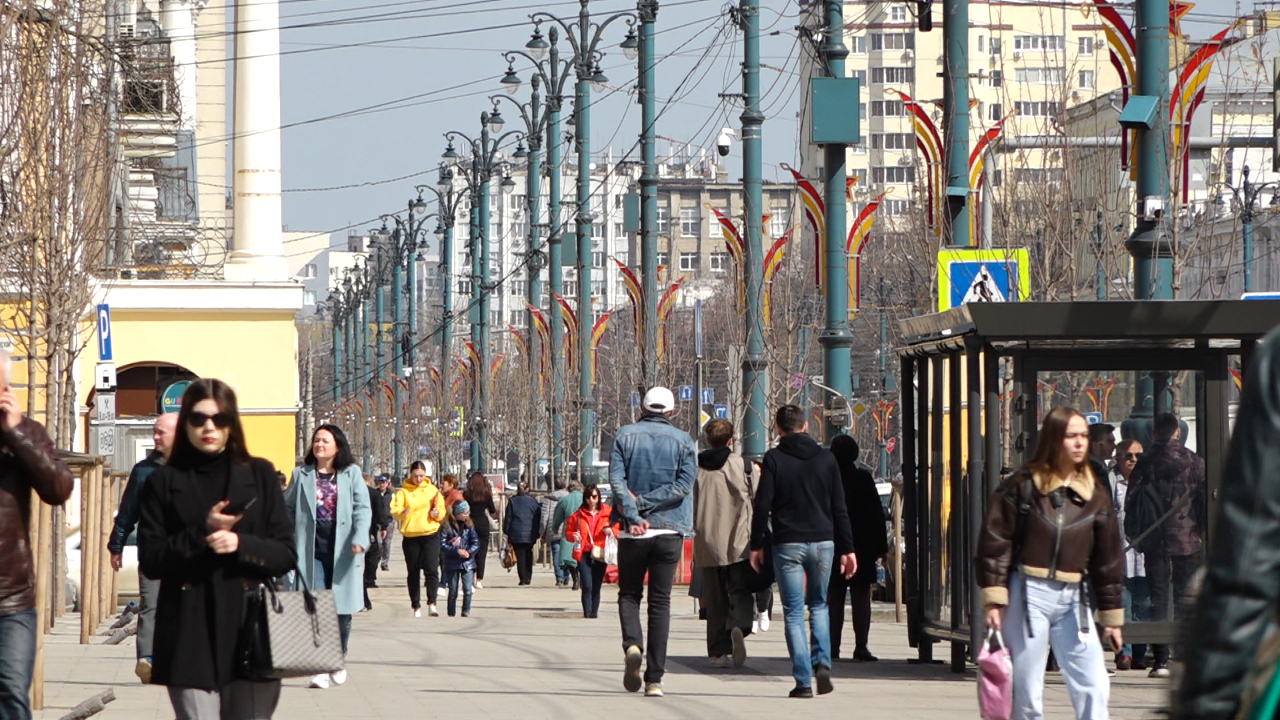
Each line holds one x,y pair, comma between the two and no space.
995,678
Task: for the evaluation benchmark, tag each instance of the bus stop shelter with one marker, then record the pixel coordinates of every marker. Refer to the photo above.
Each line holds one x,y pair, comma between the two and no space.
977,379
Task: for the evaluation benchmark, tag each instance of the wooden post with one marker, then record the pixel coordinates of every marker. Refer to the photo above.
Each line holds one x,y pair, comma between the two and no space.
898,609
88,583
106,605
40,527
58,592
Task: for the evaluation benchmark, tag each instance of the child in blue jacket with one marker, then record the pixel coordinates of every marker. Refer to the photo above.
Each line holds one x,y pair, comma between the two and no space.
459,544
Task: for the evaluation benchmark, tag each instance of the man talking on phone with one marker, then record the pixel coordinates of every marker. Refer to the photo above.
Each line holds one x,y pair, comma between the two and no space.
127,520
28,461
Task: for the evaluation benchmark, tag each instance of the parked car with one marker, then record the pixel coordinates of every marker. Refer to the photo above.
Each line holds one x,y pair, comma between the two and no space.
126,579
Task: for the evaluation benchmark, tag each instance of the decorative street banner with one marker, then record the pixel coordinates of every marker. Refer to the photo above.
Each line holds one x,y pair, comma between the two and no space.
966,276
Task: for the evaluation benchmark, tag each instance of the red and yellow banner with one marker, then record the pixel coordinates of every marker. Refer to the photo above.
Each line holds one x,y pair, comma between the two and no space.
597,334
665,306
815,211
772,262
859,232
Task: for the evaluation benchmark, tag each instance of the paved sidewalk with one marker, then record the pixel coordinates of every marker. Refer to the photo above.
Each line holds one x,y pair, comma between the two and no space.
528,653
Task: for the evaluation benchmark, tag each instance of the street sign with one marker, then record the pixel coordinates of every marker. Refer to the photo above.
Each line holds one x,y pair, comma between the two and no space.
686,393
859,409
891,445
104,377
107,440
1260,296
171,400
722,411
697,329
104,333
798,381
635,399
105,404
1093,418
705,417
966,276
708,396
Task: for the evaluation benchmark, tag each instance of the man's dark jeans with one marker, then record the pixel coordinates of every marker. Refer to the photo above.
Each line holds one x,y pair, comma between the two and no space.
1168,577
17,662
729,604
657,556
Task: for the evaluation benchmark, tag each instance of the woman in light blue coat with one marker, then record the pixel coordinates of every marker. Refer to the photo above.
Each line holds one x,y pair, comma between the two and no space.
329,505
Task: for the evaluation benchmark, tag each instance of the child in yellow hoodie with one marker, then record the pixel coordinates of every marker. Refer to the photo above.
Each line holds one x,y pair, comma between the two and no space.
418,507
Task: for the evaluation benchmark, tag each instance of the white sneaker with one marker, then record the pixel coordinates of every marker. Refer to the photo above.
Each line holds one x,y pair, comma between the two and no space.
478,585
764,621
417,613
320,682
721,661
339,677
432,611
755,625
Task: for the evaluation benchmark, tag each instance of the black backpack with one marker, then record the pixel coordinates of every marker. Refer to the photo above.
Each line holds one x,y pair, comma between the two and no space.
1144,508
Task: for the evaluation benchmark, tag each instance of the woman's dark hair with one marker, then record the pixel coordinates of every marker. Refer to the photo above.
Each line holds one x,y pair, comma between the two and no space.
586,494
343,460
479,491
184,453
417,465
1049,450
522,488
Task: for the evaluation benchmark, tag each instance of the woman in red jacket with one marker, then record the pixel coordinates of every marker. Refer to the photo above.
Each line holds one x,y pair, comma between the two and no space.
587,528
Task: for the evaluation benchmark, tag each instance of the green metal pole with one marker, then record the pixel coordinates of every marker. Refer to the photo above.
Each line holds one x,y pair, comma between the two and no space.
582,140
474,312
836,340
446,326
482,373
555,254
1098,249
338,356
955,116
380,352
884,393
366,372
1246,230
648,12
1152,252
755,426
534,288
397,323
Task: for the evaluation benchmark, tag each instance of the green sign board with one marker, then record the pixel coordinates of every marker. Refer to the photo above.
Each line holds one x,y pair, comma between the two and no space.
171,400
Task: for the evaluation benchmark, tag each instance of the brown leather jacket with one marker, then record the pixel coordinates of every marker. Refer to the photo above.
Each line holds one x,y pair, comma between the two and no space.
28,462
1078,537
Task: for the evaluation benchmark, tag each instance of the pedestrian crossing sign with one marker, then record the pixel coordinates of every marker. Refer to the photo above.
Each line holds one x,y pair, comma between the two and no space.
969,275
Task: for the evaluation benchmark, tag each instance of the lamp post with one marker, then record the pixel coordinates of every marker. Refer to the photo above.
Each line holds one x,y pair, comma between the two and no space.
647,10
484,152
1246,197
447,201
754,365
584,36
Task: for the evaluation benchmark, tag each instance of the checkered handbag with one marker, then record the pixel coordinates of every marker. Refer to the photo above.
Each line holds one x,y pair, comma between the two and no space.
289,634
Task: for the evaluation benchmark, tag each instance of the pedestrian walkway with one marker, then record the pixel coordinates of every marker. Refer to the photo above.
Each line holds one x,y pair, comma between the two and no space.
528,653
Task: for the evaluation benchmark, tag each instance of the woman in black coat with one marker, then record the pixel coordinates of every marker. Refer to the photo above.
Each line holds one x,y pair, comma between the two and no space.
521,527
479,494
870,542
213,524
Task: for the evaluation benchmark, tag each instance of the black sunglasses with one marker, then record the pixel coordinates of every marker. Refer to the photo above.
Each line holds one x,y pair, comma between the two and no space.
1132,456
220,420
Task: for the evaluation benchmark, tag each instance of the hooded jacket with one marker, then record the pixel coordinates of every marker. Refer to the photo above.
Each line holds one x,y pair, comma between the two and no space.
866,513
721,509
412,505
801,493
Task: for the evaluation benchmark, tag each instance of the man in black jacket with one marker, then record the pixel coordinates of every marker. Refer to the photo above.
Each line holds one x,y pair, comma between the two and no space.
801,495
378,525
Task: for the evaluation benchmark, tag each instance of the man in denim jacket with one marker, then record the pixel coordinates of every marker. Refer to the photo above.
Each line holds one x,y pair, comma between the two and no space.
652,471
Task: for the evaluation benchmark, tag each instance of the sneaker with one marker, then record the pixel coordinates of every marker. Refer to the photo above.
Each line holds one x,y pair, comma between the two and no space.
822,674
432,611
1159,672
739,647
764,621
372,586
143,670
466,614
631,671
1123,662
653,690
1138,665
755,626
321,681
864,655
417,612
720,661
478,585
801,692
339,677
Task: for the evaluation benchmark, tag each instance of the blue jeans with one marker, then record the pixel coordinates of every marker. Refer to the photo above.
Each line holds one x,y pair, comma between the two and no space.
1137,607
17,663
592,574
466,578
1054,608
562,573
803,571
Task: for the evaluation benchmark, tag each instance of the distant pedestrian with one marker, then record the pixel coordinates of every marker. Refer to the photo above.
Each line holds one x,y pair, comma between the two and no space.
1047,527
450,490
479,495
332,517
588,529
214,523
565,508
652,470
550,530
722,545
28,461
377,532
520,525
800,499
1137,594
419,509
162,434
459,544
385,495
866,516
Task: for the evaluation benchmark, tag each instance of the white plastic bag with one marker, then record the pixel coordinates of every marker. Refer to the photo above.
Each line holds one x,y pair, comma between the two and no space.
610,550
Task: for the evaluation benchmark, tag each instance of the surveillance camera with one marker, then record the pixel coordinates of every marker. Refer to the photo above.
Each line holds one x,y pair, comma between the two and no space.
725,140
723,149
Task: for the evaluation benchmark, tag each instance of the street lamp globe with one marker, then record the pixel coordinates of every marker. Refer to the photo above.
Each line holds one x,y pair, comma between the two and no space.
630,46
537,46
508,183
510,82
445,180
520,153
495,122
450,156
419,207
439,231
598,80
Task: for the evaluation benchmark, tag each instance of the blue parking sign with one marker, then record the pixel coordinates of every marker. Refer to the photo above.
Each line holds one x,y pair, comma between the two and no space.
722,411
686,393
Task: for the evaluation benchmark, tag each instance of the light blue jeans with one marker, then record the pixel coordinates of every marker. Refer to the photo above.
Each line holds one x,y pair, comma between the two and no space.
562,573
1054,609
803,571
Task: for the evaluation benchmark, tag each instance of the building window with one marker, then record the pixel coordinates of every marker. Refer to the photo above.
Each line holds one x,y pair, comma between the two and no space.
779,221
898,13
690,223
664,259
519,288
597,259
893,174
888,108
860,174
617,230
516,203
664,220
1086,79
1039,75
464,287
1037,108
892,75
997,78
1038,176
688,261
597,290
860,76
308,297
308,270
893,41
892,141
895,208
994,46
1086,45
859,43
570,288
720,261
997,112
1039,43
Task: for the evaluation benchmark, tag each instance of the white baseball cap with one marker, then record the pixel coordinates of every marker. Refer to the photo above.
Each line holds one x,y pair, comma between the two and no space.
659,400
